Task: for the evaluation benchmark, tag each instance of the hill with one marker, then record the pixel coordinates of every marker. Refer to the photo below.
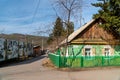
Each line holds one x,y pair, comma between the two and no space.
35,40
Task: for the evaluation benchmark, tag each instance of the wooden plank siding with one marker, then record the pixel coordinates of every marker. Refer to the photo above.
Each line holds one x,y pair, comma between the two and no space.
94,34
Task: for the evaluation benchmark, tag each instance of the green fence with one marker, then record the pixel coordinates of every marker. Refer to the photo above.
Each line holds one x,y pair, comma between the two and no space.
82,61
55,59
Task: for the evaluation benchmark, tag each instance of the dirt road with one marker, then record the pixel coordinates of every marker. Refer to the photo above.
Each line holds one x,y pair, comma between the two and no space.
33,70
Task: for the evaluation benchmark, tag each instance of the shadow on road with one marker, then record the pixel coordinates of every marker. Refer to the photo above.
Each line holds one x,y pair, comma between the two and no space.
15,62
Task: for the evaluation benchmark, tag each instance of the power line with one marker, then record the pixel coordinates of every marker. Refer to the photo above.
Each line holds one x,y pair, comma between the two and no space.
35,11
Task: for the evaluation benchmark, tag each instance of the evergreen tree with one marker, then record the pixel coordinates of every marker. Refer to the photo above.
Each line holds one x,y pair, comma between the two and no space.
58,29
110,13
115,7
70,28
50,39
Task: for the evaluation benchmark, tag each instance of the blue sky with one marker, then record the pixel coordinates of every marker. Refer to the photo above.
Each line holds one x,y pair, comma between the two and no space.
16,16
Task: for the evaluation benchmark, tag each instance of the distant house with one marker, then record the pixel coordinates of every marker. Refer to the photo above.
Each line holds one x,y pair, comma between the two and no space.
36,50
91,40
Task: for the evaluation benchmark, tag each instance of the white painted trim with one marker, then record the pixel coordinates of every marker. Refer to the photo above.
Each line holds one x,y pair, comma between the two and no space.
109,47
89,46
67,52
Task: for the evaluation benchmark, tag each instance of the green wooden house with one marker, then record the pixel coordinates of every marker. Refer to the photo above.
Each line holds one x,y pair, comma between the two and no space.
91,40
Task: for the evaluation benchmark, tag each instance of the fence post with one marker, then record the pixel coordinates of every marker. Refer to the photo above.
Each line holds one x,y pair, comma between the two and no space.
81,61
108,60
102,61
58,61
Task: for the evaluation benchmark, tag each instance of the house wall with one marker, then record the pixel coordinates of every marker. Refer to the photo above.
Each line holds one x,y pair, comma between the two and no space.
36,50
94,34
93,31
97,50
117,50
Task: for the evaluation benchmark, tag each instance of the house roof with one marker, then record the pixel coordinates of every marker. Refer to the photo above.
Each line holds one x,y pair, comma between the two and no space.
77,32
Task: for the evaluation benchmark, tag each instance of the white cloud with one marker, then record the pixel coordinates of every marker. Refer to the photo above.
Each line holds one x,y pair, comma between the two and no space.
30,28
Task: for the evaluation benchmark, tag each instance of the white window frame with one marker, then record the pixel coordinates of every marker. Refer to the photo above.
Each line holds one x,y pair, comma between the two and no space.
107,53
88,47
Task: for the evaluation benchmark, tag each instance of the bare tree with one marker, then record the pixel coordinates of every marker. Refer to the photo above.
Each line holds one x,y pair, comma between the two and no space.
67,8
43,30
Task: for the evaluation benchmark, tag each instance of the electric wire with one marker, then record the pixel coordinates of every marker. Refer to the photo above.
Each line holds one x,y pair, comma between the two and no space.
37,7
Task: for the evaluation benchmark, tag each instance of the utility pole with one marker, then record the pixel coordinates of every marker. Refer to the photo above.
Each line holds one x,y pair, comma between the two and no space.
42,41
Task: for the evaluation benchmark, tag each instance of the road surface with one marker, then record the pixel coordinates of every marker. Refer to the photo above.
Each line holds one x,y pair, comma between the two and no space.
33,70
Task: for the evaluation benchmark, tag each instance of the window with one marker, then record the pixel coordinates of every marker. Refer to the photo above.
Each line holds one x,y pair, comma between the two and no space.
87,51
107,51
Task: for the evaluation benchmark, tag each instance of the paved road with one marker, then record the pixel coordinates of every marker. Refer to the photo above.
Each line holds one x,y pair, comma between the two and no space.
33,70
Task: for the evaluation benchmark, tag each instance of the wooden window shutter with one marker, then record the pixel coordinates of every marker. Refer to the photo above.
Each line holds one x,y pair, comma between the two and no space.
83,51
93,52
112,51
103,51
